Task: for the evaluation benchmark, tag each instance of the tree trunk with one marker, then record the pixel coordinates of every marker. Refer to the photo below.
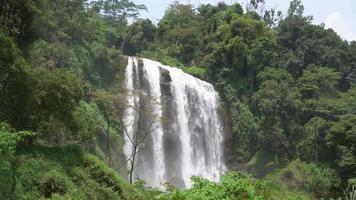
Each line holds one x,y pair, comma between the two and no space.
132,166
316,143
108,144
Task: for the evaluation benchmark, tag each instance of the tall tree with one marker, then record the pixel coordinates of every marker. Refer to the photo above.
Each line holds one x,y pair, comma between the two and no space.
111,108
119,10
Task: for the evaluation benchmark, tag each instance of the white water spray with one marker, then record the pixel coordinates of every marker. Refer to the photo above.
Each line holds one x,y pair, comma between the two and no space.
188,140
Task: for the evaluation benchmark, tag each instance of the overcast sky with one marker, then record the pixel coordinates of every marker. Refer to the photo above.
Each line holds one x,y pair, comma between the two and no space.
337,14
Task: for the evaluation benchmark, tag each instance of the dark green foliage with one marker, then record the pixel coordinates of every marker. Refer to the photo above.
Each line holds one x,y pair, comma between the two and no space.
342,137
284,87
15,85
318,82
287,85
245,127
275,104
56,93
16,20
140,35
179,32
42,91
60,173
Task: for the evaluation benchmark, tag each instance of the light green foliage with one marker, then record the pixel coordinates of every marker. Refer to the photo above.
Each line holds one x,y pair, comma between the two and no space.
232,186
56,94
87,119
347,102
163,57
198,72
279,75
61,173
317,82
9,139
302,177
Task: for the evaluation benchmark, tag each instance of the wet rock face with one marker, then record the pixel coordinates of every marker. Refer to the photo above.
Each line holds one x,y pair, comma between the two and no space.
172,148
143,124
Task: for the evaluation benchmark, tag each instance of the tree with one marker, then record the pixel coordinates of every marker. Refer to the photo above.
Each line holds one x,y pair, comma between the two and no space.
16,85
318,93
120,10
143,122
139,36
87,120
111,107
56,94
342,138
296,8
180,32
313,142
275,103
245,127
16,20
318,82
142,125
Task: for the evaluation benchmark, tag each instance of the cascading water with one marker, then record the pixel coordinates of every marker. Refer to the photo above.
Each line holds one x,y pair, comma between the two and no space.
186,136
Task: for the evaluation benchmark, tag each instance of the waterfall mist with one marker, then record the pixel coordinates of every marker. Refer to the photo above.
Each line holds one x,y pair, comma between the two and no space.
187,135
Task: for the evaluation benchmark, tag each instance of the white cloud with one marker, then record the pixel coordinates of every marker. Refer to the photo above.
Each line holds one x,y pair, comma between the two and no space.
341,26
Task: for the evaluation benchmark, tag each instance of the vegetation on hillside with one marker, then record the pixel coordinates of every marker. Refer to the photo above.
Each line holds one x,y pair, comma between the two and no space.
287,85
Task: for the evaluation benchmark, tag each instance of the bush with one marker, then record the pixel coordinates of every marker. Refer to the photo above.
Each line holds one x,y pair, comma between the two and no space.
233,185
198,72
307,177
6,181
61,173
53,182
9,139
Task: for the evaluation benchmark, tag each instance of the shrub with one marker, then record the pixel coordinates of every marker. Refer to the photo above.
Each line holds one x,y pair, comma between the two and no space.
233,185
307,177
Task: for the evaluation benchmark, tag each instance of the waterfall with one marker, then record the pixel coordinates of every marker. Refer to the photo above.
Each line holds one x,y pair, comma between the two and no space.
174,117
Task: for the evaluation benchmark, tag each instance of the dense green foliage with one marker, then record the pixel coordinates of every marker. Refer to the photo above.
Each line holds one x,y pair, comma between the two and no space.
41,172
287,85
65,173
232,186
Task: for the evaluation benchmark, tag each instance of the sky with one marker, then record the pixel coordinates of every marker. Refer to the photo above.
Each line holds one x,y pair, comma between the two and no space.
337,14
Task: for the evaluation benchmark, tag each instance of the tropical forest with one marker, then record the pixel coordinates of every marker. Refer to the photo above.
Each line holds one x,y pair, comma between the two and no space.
231,100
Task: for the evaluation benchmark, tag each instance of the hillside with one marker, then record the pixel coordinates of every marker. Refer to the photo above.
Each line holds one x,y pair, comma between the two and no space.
283,120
